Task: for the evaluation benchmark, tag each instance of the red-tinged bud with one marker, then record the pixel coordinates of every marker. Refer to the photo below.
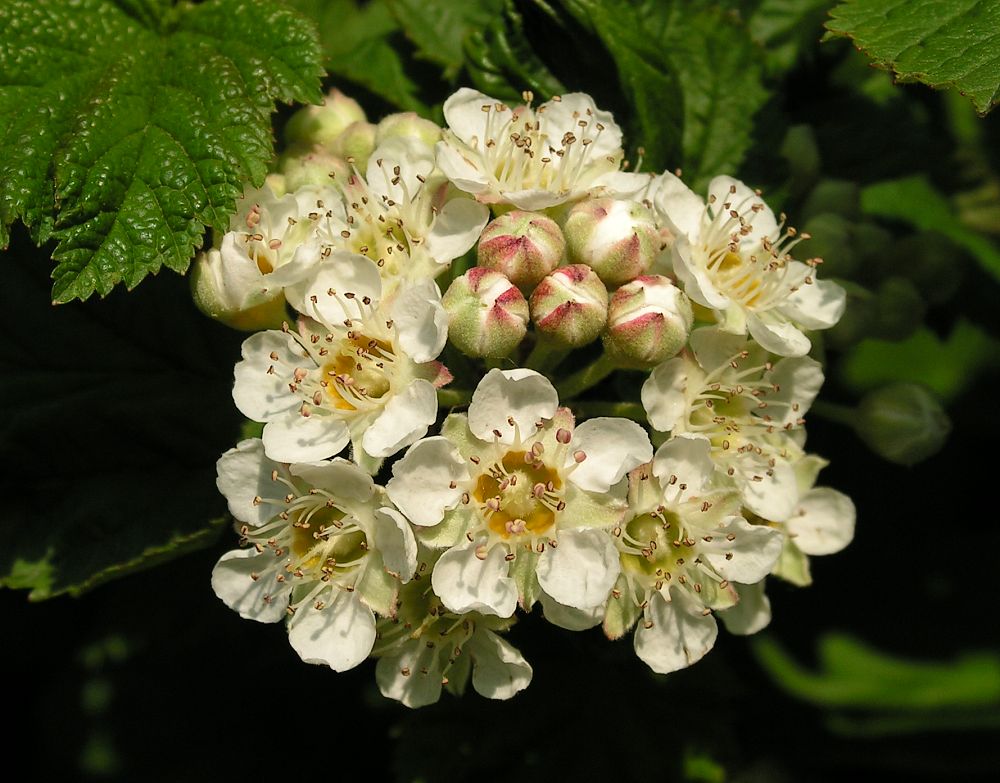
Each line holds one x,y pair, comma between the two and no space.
649,320
618,239
570,306
525,246
487,315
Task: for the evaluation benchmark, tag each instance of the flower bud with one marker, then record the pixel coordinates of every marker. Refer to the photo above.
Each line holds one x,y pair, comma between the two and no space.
355,144
407,124
221,295
902,423
312,167
649,320
525,246
487,315
618,239
900,309
570,306
322,124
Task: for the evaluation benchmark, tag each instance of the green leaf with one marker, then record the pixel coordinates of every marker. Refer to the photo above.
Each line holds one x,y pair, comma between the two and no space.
947,367
127,127
852,674
917,202
115,412
786,29
361,44
952,44
693,75
439,28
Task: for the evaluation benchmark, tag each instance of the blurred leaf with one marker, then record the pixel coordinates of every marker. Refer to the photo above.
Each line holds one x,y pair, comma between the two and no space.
786,29
942,44
361,44
501,60
853,674
439,28
126,128
915,201
693,75
947,367
115,413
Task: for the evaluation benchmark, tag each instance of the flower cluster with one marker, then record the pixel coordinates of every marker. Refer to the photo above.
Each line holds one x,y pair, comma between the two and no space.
401,509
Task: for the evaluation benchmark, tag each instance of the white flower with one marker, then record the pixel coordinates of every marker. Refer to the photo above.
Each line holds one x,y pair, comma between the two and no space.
403,214
360,369
425,647
733,257
325,551
749,408
565,149
521,496
681,554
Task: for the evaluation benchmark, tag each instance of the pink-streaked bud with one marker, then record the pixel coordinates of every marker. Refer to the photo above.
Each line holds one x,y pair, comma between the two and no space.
407,125
570,306
355,144
324,123
649,320
487,315
616,238
525,246
315,166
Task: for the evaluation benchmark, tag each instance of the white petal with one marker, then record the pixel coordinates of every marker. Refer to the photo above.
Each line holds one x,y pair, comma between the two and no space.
341,274
534,200
404,420
696,283
823,523
499,671
663,394
679,636
714,348
774,497
751,614
260,395
816,306
689,458
461,172
612,447
395,540
799,381
343,479
581,570
678,206
463,112
623,184
568,617
243,474
412,157
456,229
420,319
778,336
741,552
464,583
263,598
524,396
557,118
298,438
410,675
421,481
340,635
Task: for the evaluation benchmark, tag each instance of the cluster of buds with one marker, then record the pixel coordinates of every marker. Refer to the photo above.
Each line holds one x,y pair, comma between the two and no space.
400,509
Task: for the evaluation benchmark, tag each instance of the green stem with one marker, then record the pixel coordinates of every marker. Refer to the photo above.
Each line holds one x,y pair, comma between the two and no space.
589,376
587,409
545,356
831,411
453,398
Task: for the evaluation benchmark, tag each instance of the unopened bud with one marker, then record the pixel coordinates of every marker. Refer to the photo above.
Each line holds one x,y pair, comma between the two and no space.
902,423
220,293
487,315
317,166
355,144
525,246
618,239
322,124
570,306
649,320
407,125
